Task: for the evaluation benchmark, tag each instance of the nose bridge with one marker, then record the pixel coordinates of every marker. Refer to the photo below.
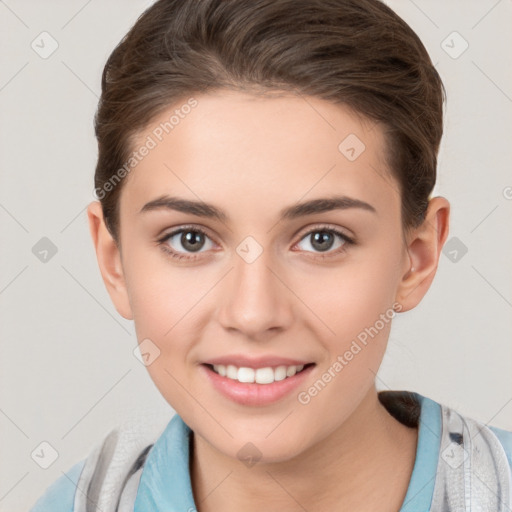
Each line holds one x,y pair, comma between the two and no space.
257,300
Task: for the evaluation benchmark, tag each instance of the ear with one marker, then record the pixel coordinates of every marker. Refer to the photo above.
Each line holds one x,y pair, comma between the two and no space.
109,260
424,246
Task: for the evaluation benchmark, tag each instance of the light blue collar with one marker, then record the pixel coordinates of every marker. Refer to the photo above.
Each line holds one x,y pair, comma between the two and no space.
165,482
421,486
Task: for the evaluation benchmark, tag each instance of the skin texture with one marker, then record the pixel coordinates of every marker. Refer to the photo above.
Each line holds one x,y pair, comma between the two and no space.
252,156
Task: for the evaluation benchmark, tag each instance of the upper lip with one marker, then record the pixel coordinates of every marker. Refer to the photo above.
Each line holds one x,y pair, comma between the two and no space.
240,360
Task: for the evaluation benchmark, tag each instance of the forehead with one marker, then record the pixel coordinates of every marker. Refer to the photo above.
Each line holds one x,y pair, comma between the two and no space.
260,151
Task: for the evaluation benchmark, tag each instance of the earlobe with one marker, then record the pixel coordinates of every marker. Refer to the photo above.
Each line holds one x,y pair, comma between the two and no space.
109,260
424,248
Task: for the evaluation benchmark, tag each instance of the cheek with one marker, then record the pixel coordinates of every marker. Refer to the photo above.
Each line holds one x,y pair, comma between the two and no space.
353,297
163,307
161,294
357,308
169,306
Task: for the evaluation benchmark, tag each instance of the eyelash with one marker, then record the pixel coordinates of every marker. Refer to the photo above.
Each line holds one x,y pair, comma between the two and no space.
180,256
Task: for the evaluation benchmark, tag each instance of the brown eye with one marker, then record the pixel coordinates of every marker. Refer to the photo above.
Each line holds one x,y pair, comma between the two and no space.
325,240
192,240
186,241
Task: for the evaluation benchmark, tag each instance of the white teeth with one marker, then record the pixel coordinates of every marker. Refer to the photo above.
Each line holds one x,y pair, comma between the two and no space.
245,375
231,372
291,371
265,375
280,373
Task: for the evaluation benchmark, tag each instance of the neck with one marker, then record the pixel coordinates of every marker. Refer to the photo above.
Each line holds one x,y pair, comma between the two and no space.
349,467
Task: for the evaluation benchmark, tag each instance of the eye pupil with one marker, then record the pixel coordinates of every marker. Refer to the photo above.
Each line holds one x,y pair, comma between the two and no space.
320,238
192,240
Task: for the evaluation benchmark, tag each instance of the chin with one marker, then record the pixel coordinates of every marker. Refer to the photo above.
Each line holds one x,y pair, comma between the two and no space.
252,450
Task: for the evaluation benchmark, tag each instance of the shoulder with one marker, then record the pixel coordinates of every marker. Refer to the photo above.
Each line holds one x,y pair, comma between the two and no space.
505,439
106,469
59,497
447,419
483,437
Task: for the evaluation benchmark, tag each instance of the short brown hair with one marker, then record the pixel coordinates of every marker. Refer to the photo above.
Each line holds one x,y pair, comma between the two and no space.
355,52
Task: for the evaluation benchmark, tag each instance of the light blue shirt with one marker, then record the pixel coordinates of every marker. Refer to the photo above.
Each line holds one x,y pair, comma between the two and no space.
165,481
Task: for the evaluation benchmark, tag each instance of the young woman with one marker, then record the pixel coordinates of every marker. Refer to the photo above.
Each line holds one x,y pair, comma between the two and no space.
264,179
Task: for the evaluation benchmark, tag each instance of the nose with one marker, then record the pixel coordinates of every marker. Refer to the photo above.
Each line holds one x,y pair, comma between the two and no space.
255,299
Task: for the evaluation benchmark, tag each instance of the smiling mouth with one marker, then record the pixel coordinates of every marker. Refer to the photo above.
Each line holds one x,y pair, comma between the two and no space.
266,375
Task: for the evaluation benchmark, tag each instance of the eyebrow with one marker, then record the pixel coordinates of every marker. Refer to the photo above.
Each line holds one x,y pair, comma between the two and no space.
202,209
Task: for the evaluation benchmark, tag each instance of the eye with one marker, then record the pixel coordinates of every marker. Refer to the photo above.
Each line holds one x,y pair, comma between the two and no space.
323,238
191,240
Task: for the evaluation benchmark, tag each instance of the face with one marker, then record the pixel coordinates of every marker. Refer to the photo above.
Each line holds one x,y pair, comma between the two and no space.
248,276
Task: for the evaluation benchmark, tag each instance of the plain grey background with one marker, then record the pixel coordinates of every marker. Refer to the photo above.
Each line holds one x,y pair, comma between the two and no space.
67,368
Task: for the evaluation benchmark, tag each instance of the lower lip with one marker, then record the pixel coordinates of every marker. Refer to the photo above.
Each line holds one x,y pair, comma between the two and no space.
252,393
